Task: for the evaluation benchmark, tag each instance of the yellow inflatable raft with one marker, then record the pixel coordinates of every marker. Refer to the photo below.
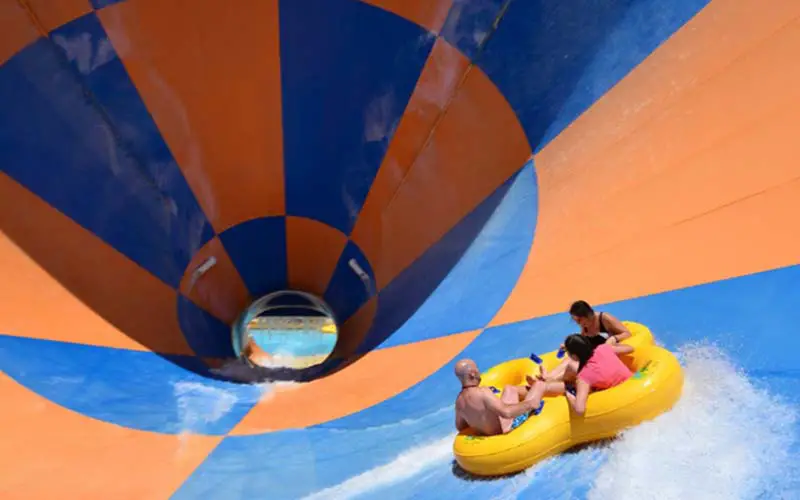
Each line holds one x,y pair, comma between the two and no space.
654,389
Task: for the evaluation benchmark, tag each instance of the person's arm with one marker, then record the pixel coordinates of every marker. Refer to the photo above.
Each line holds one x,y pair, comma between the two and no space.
616,329
578,401
461,424
622,349
506,410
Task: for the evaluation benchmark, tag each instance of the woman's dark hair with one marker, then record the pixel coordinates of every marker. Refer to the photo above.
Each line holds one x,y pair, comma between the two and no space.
578,345
581,309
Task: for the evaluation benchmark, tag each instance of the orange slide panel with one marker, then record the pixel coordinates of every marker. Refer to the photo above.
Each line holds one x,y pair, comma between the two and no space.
17,29
58,282
313,250
104,460
54,13
220,291
224,129
609,198
438,83
451,176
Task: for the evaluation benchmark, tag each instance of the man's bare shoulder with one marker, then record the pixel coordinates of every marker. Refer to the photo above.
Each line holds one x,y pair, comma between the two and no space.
474,394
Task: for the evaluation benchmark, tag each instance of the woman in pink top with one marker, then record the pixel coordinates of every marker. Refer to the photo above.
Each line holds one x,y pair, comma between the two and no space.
598,368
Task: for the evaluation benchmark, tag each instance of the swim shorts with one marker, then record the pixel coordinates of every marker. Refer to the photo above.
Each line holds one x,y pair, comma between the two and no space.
519,421
522,418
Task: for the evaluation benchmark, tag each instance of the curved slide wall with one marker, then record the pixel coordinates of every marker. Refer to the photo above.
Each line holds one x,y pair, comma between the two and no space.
486,162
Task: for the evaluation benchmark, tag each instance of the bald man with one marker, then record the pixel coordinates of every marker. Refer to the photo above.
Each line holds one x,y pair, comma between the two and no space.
478,408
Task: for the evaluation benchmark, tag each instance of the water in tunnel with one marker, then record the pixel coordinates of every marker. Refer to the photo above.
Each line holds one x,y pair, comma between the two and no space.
446,177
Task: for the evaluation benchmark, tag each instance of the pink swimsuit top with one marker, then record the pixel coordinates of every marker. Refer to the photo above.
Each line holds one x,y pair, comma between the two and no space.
604,369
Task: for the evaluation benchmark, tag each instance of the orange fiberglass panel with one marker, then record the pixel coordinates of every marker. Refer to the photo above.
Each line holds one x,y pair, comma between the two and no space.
430,14
219,290
437,85
477,145
313,249
54,13
603,203
104,460
353,388
17,29
218,109
754,234
89,286
705,47
38,306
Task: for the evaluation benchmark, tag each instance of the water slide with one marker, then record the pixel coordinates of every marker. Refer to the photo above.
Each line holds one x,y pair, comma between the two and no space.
482,162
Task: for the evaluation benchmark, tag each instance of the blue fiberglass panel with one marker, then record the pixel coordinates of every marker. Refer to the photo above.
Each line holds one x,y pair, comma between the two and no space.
290,464
99,4
85,44
348,70
139,390
258,250
470,23
346,291
207,336
553,60
58,145
479,284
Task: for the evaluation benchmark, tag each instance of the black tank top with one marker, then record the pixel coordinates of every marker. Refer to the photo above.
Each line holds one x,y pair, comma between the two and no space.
602,326
598,339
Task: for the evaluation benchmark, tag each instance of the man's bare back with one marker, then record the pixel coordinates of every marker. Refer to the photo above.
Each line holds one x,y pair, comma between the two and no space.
478,408
472,411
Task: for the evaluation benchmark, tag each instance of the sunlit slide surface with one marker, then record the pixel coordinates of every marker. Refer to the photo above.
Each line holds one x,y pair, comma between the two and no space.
447,176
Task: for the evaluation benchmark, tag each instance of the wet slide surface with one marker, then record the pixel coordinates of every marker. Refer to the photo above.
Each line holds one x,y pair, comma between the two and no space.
485,162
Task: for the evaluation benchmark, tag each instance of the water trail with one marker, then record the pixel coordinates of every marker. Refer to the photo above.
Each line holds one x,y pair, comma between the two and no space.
201,404
406,422
405,466
724,439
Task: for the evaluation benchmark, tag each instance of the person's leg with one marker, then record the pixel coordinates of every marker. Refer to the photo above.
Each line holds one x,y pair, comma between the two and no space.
512,393
553,389
557,373
510,396
537,392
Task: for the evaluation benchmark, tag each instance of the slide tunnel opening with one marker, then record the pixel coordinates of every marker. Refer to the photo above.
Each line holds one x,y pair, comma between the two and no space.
286,331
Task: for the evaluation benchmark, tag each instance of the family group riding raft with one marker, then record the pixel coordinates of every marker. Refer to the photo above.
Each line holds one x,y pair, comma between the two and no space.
653,389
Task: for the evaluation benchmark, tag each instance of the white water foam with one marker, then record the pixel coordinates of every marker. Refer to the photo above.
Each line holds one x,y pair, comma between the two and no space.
563,474
404,467
201,404
724,439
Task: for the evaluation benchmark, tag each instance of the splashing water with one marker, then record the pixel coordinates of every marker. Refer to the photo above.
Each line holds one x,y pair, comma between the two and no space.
199,404
406,466
725,438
